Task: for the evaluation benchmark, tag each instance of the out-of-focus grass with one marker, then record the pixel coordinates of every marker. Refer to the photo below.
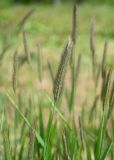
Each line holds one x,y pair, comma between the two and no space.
31,103
54,23
51,25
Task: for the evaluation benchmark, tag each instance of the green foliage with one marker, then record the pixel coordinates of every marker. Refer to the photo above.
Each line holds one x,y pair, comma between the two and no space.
33,126
100,1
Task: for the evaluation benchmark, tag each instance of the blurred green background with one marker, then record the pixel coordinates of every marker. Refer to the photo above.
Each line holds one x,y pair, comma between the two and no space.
56,1
51,26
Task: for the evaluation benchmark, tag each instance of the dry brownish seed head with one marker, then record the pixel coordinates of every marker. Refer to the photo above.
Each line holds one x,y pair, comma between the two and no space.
58,82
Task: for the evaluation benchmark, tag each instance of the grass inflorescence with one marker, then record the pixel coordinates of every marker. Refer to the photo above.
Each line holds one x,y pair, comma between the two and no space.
36,125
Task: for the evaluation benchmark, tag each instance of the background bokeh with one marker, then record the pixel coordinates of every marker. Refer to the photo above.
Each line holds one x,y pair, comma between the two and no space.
56,1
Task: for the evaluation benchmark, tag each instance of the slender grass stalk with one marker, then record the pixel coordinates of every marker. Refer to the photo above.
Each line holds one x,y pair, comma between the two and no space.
5,49
39,62
104,57
98,73
92,48
65,146
51,71
40,140
73,32
112,139
91,116
6,143
106,86
31,145
100,139
74,23
26,48
24,19
111,101
75,75
81,133
15,71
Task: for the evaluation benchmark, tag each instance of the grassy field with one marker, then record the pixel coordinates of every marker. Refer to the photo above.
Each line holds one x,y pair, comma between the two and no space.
51,26
39,119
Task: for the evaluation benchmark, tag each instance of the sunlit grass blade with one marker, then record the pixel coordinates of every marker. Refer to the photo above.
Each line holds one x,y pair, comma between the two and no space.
40,140
47,148
6,143
21,150
106,151
41,123
100,139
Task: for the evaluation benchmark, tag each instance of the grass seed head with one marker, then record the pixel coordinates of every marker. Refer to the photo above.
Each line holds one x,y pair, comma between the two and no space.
58,82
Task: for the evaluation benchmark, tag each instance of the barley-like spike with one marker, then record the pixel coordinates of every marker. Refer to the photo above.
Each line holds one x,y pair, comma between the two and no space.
104,56
58,82
15,69
92,46
39,62
51,71
26,47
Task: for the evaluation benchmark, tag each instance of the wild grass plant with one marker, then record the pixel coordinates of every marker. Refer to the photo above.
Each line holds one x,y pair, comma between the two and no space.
33,130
